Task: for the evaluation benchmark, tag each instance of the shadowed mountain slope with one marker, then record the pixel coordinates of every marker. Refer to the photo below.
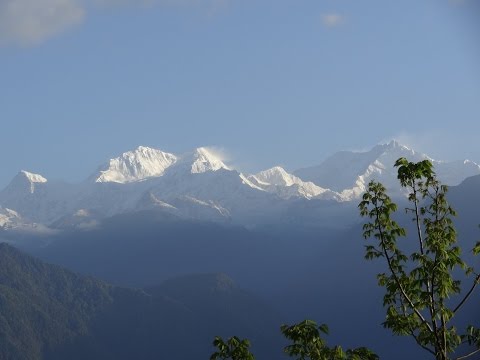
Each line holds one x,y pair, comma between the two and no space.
51,313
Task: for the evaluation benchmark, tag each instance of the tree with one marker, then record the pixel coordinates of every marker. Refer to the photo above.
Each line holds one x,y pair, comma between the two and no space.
307,345
420,285
233,348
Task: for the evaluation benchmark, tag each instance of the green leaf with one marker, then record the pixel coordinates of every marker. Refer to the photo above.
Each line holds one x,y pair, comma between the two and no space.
476,248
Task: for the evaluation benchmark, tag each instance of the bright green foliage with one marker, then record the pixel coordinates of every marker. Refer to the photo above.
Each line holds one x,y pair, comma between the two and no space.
419,284
307,344
233,348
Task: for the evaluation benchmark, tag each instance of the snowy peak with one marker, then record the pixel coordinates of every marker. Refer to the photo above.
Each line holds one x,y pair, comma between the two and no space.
203,160
144,162
136,165
343,170
394,150
33,178
349,172
276,176
25,182
277,180
394,145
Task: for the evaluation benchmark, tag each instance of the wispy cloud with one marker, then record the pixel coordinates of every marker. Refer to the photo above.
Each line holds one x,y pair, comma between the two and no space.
332,19
219,152
30,22
210,5
112,3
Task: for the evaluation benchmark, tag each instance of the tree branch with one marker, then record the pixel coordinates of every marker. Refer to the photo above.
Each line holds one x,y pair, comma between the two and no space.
468,355
475,283
417,219
420,344
395,277
432,300
444,333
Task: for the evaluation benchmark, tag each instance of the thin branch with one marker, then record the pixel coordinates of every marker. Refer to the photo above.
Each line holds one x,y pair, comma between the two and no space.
475,283
420,344
431,286
395,277
430,282
417,219
412,331
444,332
468,355
432,300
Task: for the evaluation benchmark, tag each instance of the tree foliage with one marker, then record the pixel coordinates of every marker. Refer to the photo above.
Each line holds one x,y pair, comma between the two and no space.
307,344
233,348
420,285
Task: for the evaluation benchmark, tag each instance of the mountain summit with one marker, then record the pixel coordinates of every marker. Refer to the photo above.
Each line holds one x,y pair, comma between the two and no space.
201,160
144,163
277,180
136,165
349,172
26,182
343,169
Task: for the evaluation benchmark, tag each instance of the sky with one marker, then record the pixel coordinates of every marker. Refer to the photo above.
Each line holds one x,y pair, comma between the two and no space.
264,82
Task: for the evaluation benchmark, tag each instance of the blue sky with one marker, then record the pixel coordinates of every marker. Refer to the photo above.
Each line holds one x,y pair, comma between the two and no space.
267,82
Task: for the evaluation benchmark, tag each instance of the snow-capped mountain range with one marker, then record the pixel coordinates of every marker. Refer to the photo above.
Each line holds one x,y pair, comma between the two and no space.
350,172
199,185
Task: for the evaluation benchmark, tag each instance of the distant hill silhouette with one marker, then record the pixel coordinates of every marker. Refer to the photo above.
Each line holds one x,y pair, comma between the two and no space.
51,313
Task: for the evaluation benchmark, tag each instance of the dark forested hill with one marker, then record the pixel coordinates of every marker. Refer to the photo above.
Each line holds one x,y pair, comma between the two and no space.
43,306
47,312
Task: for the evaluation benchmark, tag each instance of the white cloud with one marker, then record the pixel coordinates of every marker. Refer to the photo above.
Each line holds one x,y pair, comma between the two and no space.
30,22
212,5
105,3
332,20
